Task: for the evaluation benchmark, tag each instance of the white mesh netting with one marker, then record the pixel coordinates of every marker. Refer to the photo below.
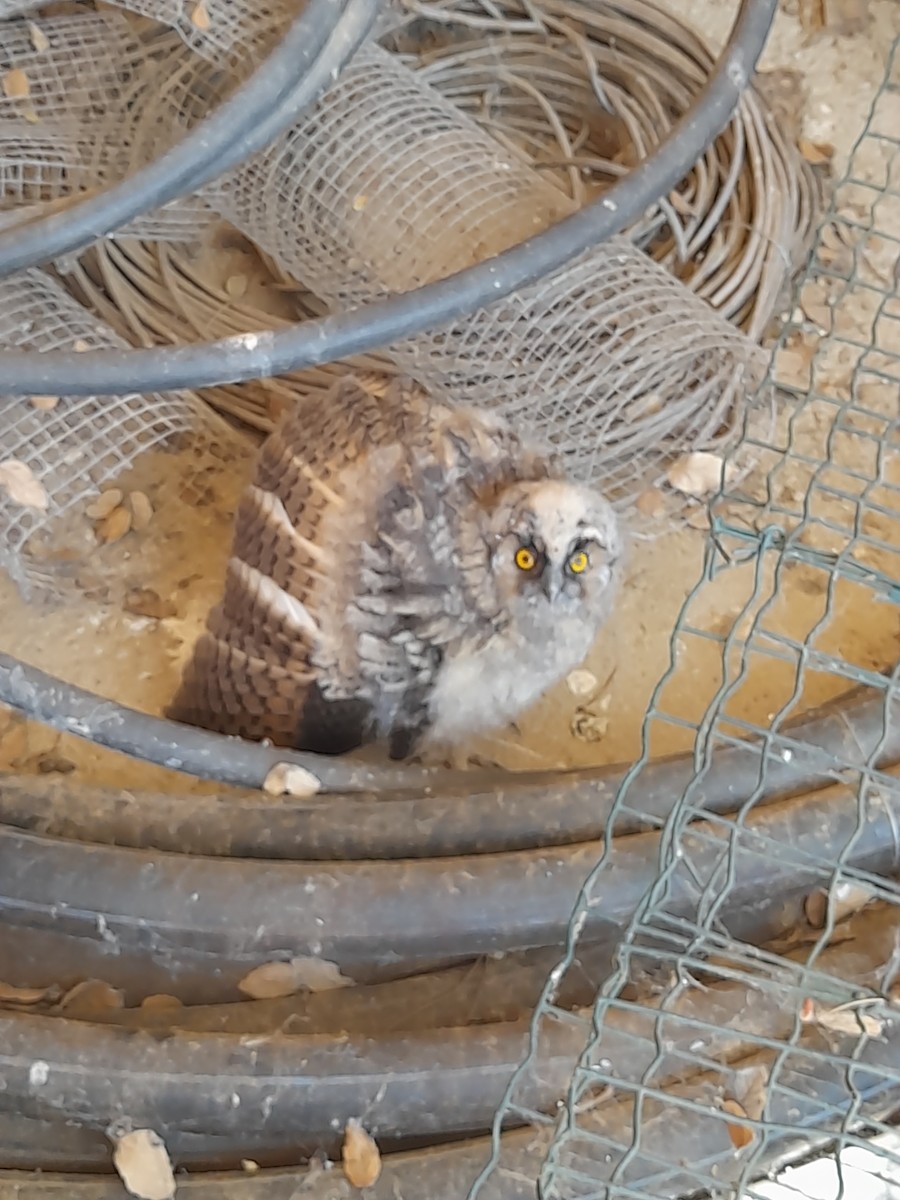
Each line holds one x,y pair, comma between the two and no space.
612,360
65,448
388,183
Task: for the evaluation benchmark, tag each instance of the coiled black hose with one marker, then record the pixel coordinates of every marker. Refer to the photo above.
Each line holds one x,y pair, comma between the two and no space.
267,353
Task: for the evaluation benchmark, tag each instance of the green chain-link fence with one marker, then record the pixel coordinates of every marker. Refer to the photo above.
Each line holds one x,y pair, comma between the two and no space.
749,1014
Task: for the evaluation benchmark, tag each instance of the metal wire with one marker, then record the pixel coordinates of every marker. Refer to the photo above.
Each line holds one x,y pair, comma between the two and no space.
810,538
316,46
275,352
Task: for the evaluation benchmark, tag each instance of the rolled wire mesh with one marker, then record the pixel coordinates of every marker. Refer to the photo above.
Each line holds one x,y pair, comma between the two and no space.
590,90
86,100
63,449
387,186
663,400
701,1096
220,31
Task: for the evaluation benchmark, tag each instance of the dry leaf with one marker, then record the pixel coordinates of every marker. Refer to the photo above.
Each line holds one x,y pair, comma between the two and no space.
200,16
39,39
588,726
740,1135
651,503
160,1002
699,474
362,1162
15,84
143,1164
248,1165
141,510
80,346
287,779
812,15
751,1088
115,526
44,403
846,899
24,995
104,504
91,996
303,973
19,482
581,682
816,153
236,286
849,1019
145,602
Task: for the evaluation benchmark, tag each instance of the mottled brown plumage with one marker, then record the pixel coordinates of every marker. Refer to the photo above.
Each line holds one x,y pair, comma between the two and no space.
362,571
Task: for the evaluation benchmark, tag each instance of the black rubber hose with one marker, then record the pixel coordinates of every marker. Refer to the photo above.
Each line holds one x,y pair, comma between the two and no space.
304,63
853,726
163,1082
192,927
430,1083
495,813
270,352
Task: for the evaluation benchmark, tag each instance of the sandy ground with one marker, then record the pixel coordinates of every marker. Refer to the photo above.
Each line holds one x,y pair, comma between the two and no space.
140,601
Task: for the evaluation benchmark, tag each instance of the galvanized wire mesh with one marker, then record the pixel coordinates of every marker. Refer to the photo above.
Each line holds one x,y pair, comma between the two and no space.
86,100
752,1010
63,449
612,361
378,190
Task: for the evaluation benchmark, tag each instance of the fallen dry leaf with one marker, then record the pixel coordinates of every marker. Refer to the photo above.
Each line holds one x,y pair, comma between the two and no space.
91,996
80,346
651,503
849,1019
44,403
160,1002
21,485
141,510
145,602
581,682
360,1157
39,39
300,974
740,1135
114,527
816,153
15,84
236,286
24,995
588,726
845,899
699,473
142,1161
751,1089
248,1165
104,504
287,779
200,16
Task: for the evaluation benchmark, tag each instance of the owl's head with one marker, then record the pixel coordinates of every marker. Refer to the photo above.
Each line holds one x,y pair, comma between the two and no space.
557,548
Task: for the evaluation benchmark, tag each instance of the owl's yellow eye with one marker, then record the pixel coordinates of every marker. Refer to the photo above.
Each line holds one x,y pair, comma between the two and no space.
578,562
525,559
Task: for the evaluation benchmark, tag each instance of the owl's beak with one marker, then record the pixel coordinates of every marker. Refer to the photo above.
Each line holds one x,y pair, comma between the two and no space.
551,585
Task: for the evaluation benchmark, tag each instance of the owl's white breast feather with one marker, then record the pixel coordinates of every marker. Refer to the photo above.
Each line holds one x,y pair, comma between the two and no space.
484,690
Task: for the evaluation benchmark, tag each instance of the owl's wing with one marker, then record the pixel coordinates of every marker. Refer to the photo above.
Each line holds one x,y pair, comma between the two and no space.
252,670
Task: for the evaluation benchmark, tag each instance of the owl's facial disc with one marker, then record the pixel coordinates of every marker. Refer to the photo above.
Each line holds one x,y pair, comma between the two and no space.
558,544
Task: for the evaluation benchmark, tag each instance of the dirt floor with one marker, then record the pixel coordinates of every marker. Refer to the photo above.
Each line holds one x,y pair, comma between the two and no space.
141,600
